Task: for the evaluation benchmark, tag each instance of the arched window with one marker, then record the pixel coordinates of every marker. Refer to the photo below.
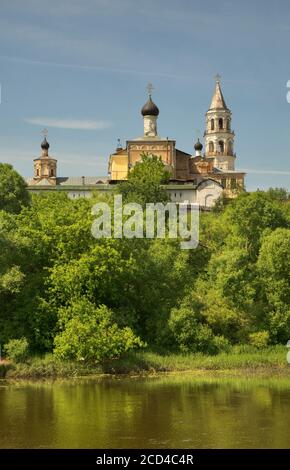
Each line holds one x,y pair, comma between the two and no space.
51,172
228,124
221,123
221,146
211,147
37,172
212,124
230,147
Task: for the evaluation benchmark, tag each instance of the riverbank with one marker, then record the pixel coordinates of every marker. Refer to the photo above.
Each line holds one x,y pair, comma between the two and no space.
242,358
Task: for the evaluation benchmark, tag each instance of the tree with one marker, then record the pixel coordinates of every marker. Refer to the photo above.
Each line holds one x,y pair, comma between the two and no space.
13,190
17,349
250,215
89,334
273,265
278,194
191,331
234,287
52,230
145,181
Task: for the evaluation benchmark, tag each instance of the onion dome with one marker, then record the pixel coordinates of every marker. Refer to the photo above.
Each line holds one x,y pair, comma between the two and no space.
149,108
198,146
44,144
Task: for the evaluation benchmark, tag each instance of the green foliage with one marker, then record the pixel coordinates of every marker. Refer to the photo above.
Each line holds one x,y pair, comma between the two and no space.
17,349
51,230
13,192
249,358
48,366
278,194
220,204
273,267
12,280
54,276
251,214
191,332
90,335
145,180
259,339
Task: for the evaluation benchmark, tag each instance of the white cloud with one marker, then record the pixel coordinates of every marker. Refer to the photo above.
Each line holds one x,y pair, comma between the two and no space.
128,71
265,172
80,124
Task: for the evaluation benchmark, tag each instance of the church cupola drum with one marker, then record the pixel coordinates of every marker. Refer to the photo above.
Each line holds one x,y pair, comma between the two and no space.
45,166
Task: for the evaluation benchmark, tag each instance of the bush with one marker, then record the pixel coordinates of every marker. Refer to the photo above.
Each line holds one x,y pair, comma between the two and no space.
190,333
90,335
259,339
17,349
221,344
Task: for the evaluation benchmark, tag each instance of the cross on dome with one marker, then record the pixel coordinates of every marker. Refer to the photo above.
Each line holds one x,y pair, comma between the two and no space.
150,88
44,132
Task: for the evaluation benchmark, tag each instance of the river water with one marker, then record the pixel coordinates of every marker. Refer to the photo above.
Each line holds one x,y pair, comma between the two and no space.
170,411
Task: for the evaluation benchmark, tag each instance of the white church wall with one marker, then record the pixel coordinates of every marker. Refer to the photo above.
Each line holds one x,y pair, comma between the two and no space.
207,193
182,195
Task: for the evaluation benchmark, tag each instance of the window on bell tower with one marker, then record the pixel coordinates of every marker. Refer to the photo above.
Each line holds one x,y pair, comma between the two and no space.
221,146
212,124
221,123
211,147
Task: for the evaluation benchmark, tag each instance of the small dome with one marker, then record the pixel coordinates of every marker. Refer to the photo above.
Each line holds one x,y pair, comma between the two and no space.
198,145
149,108
44,144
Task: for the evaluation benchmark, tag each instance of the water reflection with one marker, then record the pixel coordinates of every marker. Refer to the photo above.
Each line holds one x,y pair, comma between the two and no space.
169,411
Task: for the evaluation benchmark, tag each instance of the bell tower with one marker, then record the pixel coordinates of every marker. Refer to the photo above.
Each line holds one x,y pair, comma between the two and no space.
45,166
219,137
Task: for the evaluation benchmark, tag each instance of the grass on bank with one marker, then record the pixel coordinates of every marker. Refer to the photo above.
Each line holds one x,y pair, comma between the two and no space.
240,357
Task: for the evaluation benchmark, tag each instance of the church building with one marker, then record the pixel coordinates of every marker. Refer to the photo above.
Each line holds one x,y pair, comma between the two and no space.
199,178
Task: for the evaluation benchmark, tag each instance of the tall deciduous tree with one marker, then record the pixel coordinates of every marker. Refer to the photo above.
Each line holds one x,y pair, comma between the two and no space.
13,189
145,181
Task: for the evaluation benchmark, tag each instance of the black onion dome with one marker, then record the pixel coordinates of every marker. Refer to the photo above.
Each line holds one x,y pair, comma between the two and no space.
44,144
198,145
149,108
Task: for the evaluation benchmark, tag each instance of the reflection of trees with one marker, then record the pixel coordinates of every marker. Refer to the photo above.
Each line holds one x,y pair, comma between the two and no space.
27,416
172,411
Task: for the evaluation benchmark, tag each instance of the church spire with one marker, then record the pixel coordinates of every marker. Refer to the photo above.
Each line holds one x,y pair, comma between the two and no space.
218,101
219,136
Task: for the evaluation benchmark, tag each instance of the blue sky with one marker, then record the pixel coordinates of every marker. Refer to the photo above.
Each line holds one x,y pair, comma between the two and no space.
80,68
